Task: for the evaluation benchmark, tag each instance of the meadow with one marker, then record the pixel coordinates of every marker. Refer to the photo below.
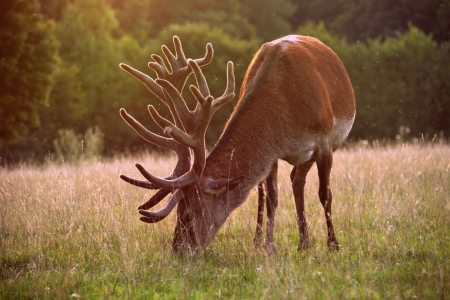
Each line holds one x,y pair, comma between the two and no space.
73,231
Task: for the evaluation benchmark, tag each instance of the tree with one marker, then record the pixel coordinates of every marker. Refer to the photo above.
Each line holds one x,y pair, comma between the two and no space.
134,18
27,61
316,10
222,14
399,82
359,20
87,34
269,17
363,19
52,9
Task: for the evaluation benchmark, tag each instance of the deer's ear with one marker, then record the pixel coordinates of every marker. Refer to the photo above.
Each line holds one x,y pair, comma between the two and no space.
220,186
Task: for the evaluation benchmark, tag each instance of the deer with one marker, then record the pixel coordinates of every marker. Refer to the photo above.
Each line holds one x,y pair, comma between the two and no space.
296,104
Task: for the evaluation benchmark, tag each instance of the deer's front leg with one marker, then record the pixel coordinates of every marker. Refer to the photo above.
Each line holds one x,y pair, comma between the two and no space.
257,241
271,205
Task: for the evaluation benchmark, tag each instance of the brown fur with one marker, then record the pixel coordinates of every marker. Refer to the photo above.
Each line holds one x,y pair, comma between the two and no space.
290,91
296,89
296,104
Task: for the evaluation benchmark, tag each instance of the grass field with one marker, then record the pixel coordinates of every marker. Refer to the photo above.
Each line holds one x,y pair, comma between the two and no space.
74,232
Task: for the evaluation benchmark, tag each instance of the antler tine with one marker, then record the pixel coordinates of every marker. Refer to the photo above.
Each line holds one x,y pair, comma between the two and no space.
158,66
140,183
147,134
229,94
156,216
182,152
178,64
178,61
179,56
155,199
162,122
176,101
145,79
177,183
200,78
201,95
170,129
208,56
178,48
152,85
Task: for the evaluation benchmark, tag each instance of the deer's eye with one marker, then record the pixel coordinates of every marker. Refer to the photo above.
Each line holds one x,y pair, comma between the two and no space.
187,216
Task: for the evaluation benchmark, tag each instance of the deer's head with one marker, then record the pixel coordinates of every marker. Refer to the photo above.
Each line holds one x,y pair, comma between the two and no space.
203,203
202,212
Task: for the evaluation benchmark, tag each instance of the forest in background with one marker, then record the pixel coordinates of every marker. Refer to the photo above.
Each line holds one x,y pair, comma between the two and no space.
61,87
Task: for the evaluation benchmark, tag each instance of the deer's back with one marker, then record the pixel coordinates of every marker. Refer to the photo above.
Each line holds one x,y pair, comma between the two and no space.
295,86
296,94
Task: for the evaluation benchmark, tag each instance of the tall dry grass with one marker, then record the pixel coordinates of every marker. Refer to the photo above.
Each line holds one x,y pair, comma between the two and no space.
74,231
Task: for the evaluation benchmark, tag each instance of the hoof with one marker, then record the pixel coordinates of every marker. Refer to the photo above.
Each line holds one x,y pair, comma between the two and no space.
257,244
334,246
270,249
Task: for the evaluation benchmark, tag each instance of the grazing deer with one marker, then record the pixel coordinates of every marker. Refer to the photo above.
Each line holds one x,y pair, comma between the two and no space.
296,104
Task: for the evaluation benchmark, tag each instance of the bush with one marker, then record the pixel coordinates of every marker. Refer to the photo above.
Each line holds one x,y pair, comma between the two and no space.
94,143
72,148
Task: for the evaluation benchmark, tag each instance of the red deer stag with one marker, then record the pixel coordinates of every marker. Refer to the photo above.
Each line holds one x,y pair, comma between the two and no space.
296,104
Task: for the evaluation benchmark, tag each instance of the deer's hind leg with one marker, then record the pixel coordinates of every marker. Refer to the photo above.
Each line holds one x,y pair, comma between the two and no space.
324,162
298,179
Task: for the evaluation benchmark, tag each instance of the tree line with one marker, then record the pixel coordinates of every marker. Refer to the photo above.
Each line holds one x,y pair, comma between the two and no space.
60,77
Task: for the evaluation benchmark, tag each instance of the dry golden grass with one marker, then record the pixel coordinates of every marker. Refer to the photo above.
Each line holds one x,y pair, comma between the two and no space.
74,230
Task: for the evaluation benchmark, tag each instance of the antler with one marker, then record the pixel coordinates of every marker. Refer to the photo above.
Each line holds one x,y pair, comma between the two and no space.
195,124
180,72
186,132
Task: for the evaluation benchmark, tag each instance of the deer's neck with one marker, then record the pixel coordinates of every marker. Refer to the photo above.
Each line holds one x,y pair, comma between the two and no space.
246,148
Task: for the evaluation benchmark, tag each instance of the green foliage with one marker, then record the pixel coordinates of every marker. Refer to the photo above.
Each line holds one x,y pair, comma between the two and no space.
222,14
52,9
316,10
387,18
27,61
87,36
134,18
398,81
66,109
67,145
269,17
359,20
93,143
71,147
67,104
